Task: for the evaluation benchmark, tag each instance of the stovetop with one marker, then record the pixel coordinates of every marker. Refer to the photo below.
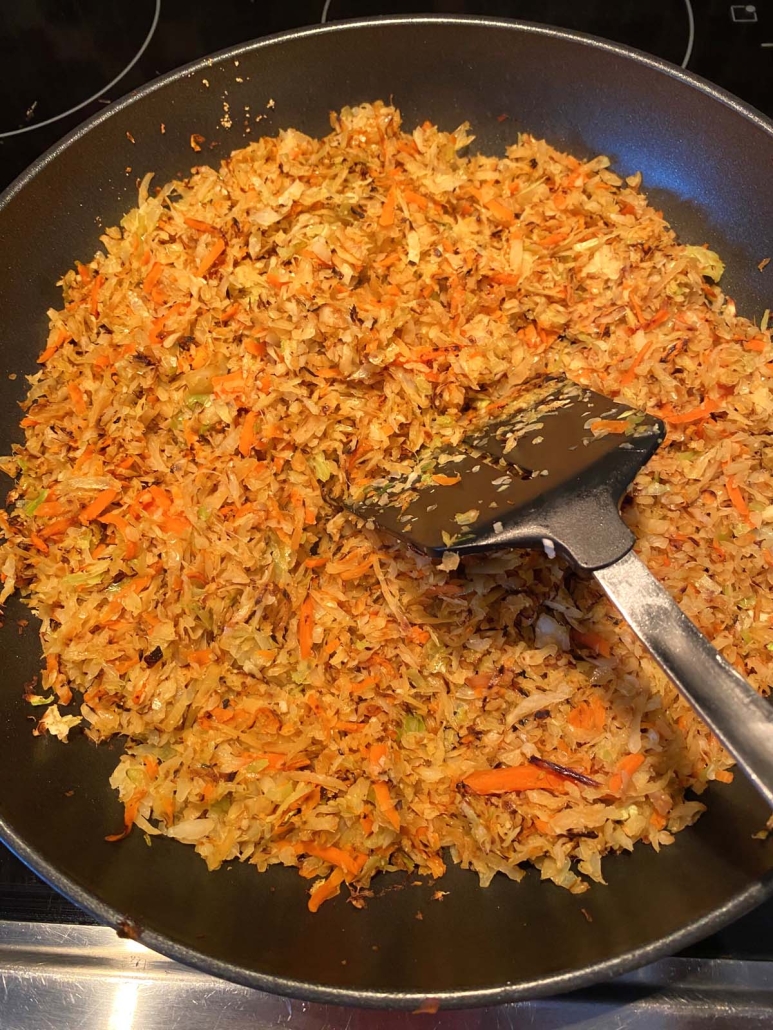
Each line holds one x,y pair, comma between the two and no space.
63,60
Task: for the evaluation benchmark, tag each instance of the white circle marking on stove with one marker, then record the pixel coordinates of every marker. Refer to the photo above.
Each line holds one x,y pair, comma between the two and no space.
104,89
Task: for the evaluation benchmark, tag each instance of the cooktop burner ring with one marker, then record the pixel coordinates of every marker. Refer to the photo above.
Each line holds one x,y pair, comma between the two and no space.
688,11
94,96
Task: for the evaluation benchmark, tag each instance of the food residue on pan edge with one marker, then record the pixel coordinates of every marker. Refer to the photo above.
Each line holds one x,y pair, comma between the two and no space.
252,343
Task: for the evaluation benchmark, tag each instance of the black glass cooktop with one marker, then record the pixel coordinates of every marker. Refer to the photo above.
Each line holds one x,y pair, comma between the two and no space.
62,60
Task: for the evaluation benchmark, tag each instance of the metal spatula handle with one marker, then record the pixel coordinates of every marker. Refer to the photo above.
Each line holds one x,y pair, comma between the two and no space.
730,707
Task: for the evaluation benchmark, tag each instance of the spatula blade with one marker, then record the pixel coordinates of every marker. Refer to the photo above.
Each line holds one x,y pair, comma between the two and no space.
549,468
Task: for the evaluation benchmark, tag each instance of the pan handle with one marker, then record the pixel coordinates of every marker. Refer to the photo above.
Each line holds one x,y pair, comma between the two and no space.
730,707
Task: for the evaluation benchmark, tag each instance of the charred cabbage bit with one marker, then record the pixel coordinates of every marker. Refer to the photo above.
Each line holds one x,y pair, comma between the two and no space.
257,342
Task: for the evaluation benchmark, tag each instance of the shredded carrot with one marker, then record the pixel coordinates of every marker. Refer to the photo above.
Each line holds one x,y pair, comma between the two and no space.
505,278
416,198
306,627
658,319
376,758
736,497
386,805
326,890
98,505
199,226
233,382
247,438
624,770
757,344
210,257
442,480
608,426
513,778
61,337
50,508
161,498
387,216
350,861
556,237
256,347
595,641
724,776
175,525
54,528
77,398
500,211
589,715
630,373
39,543
708,407
152,277
131,811
94,295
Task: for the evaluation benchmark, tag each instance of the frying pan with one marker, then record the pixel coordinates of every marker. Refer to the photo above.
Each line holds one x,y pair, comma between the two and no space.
706,159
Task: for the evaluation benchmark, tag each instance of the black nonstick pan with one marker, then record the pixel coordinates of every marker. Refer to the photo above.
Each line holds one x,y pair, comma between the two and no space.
707,160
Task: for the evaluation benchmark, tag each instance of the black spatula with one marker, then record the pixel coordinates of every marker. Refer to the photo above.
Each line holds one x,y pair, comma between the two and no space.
549,470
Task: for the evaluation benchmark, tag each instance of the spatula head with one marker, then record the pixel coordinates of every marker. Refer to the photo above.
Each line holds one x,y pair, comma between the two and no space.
547,468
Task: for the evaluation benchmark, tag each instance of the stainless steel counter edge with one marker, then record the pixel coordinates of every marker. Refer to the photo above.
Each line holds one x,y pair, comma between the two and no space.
62,977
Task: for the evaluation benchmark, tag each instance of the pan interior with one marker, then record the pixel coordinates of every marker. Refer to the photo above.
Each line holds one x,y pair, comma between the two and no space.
706,162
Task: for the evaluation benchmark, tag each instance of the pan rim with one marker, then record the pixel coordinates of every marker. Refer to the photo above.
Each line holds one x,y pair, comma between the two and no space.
543,986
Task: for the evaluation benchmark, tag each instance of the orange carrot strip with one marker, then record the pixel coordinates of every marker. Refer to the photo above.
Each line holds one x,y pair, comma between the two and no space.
247,439
376,757
233,382
594,641
513,778
556,237
757,344
630,373
94,295
175,525
350,861
61,525
387,216
500,211
53,347
152,277
608,425
274,279
256,347
199,226
130,814
77,398
416,198
327,890
386,805
161,497
39,543
694,415
315,563
49,508
658,319
306,627
210,257
442,480
97,506
735,496
624,770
